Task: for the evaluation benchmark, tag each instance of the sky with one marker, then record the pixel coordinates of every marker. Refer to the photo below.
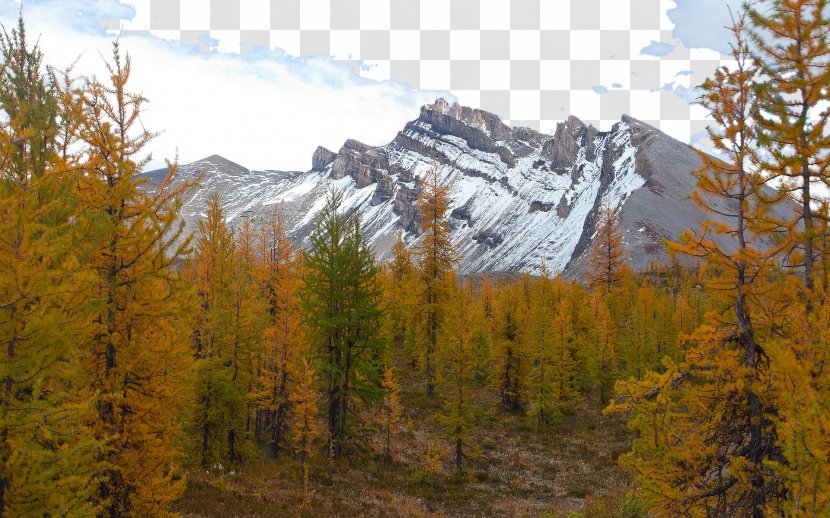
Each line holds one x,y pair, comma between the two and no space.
703,23
263,109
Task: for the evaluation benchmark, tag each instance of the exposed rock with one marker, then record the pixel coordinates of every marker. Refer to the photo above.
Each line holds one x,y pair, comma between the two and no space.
404,174
384,190
344,165
463,213
503,186
365,176
404,206
321,158
536,206
488,238
562,149
562,208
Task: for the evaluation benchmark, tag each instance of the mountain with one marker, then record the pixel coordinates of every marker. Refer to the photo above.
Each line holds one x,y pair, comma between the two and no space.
520,199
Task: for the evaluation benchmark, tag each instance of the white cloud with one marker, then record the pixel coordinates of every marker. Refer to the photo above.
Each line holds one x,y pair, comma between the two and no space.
262,110
703,23
656,48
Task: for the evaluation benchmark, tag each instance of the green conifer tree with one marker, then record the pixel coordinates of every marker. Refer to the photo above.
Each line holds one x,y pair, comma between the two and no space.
341,297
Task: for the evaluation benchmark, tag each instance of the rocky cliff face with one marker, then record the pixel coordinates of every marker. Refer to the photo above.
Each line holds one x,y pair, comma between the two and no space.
520,199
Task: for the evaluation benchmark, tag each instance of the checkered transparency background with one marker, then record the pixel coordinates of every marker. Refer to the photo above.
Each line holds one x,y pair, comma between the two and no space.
532,62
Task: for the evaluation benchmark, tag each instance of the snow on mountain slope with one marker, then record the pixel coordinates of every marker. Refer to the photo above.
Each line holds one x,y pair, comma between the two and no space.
519,199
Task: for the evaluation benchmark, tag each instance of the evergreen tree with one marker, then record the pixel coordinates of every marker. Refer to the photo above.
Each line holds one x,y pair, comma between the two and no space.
341,298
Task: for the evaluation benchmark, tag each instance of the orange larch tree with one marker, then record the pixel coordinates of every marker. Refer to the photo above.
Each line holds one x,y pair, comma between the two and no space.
138,357
706,436
436,259
279,277
607,261
46,447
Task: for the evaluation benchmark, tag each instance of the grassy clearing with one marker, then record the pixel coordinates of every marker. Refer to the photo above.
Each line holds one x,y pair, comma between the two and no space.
514,470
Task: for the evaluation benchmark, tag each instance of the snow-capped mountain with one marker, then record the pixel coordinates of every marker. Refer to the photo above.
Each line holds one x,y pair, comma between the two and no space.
520,199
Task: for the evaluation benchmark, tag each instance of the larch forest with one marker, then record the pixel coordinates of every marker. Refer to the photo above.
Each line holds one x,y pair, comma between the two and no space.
233,373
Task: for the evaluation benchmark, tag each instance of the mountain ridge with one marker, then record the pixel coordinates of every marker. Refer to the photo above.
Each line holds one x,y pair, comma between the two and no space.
519,199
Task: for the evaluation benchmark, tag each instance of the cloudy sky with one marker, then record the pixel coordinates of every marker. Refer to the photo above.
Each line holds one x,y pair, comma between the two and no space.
269,107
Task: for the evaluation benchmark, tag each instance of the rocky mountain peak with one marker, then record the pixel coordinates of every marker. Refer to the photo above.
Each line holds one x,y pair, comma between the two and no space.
321,158
220,162
455,118
518,198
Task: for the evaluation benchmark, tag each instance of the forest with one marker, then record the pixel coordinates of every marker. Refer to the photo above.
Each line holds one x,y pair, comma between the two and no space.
231,372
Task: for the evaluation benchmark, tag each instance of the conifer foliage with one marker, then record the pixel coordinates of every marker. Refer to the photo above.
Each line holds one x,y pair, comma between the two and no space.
391,411
128,356
342,303
457,369
278,271
138,350
436,259
45,446
511,352
607,262
227,334
792,39
304,417
732,428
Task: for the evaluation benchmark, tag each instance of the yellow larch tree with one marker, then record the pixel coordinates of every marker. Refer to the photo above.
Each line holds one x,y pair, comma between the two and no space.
46,446
564,366
402,289
279,277
390,411
483,337
792,41
138,357
604,348
456,368
607,261
436,259
706,439
304,428
542,405
248,320
509,336
217,404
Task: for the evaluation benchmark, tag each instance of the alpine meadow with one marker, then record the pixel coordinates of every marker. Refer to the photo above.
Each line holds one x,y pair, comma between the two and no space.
224,362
